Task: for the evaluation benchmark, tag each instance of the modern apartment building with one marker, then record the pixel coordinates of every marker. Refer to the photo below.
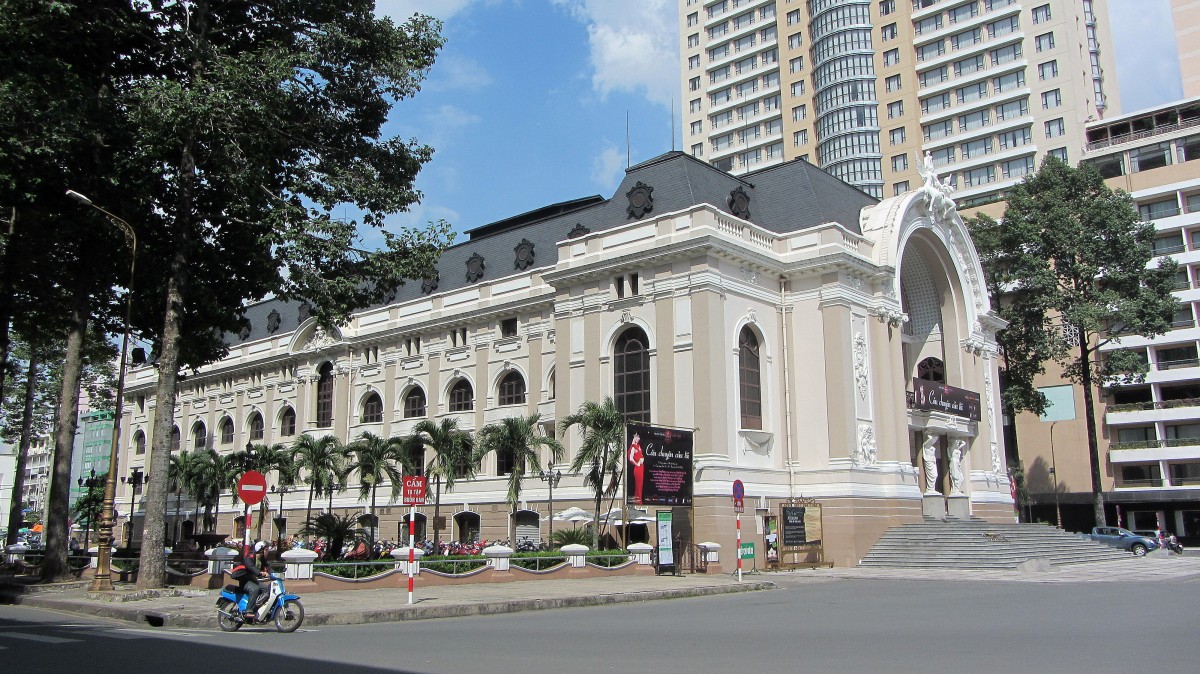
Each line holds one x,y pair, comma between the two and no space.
1150,442
863,88
1185,15
93,443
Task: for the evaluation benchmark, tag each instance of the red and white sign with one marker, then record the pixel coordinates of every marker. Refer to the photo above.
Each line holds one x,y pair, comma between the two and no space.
252,487
414,490
739,493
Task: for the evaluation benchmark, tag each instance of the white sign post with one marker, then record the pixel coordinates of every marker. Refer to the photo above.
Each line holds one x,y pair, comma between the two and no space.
414,495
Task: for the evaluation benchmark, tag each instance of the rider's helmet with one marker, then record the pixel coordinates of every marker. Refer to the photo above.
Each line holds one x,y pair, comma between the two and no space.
258,547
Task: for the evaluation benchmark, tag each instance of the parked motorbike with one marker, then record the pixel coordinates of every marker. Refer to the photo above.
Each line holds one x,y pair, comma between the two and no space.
1175,546
285,609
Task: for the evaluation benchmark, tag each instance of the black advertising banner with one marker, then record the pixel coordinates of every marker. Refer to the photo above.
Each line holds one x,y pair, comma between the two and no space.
937,397
794,531
659,465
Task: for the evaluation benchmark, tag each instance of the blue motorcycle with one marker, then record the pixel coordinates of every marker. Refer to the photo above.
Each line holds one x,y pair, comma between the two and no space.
285,609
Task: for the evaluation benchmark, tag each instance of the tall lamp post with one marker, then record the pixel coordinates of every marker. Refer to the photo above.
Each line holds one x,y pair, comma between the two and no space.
136,479
551,477
90,482
102,581
280,521
1054,474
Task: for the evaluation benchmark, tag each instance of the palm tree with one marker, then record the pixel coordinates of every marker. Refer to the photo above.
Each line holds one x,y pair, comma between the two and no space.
264,459
179,472
518,439
323,461
453,452
214,474
335,529
602,429
377,459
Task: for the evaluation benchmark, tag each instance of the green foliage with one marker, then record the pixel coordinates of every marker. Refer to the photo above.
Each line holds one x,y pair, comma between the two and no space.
519,439
572,536
335,530
86,510
602,428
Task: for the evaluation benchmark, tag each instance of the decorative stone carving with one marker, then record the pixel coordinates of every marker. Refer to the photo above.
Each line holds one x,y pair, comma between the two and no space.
739,203
890,315
273,322
867,451
320,339
578,230
389,296
752,316
929,458
245,332
304,312
430,284
861,377
956,472
524,255
626,316
475,268
935,191
641,200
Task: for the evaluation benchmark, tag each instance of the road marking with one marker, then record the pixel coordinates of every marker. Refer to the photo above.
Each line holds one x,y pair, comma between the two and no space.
39,638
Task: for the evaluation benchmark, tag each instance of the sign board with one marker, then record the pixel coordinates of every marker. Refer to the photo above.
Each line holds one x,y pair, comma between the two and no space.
794,530
414,490
800,535
739,494
659,464
747,550
935,396
666,547
252,487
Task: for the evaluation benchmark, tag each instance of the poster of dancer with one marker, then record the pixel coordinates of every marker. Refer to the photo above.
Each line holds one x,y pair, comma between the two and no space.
659,461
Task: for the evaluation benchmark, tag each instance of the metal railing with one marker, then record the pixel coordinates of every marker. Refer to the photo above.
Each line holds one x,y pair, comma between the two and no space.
1140,135
1155,444
1159,405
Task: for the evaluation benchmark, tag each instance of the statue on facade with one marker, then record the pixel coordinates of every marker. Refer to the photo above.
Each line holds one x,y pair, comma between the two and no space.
929,457
935,191
956,472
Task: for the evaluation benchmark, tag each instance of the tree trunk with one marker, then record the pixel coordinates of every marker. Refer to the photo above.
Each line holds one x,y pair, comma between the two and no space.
437,513
308,510
1089,413
16,515
6,313
58,505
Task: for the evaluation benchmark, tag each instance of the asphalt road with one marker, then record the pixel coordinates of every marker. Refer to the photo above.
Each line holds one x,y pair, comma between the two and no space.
807,625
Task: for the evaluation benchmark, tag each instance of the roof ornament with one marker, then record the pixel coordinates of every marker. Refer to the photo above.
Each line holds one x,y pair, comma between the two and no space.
524,255
641,200
475,267
935,191
273,322
739,203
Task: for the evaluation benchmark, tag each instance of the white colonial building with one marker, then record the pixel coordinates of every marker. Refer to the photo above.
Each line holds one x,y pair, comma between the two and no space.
782,315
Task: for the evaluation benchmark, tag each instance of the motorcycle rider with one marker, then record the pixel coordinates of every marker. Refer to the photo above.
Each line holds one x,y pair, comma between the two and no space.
248,574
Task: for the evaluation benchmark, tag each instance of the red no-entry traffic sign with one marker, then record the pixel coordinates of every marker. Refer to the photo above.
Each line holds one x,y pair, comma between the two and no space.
252,487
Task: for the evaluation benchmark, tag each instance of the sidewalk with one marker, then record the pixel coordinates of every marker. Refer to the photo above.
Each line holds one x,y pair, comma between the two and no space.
194,608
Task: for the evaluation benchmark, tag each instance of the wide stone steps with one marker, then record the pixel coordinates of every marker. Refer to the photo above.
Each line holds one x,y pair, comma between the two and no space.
975,544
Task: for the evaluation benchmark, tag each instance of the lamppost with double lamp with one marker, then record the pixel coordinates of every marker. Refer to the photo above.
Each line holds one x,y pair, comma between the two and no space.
102,581
135,480
551,477
90,482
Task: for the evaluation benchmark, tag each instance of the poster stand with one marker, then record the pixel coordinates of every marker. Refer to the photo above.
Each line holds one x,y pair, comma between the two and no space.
801,535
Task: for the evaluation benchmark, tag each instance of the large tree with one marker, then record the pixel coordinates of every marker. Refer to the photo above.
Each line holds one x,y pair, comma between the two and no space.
1075,262
376,460
517,441
601,456
260,121
322,464
453,453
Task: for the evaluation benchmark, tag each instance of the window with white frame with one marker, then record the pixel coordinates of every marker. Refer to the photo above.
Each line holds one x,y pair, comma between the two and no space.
900,162
1041,14
1055,128
1044,42
899,188
1048,70
896,136
892,83
1051,99
891,57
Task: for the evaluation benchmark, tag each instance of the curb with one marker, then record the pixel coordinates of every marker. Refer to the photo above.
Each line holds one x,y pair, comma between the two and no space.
189,618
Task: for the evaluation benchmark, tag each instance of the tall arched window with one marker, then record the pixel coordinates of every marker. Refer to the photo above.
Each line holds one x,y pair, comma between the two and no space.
325,396
256,426
414,403
931,369
176,438
139,442
750,379
631,370
287,422
199,436
512,389
372,410
226,431
462,397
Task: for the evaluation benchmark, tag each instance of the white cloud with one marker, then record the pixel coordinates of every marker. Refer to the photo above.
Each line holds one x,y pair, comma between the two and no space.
1147,62
634,45
457,72
444,123
401,10
608,167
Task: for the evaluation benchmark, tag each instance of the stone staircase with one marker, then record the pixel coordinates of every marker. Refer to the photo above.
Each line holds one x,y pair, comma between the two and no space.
975,544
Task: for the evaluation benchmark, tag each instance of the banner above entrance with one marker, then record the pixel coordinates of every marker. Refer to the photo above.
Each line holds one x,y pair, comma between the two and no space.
935,396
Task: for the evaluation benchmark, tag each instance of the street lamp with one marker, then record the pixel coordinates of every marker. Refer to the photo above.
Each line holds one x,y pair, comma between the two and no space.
135,480
551,477
102,581
280,521
1054,474
90,482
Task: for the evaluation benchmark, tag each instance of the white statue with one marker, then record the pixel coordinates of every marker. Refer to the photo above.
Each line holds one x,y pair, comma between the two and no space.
956,473
929,456
935,190
867,452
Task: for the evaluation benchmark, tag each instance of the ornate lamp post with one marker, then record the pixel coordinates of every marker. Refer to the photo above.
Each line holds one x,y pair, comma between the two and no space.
135,480
551,477
280,521
103,578
90,482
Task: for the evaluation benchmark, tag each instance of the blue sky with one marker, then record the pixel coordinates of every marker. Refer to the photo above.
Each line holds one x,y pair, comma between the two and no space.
527,103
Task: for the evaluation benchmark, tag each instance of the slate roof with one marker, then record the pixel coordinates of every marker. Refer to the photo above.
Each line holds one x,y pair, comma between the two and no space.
783,198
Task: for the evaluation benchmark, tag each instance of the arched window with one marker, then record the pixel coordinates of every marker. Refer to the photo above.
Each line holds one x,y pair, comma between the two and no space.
176,438
631,370
372,410
462,397
199,436
414,403
226,431
553,373
512,389
139,442
750,379
325,396
287,422
256,426
931,369
505,458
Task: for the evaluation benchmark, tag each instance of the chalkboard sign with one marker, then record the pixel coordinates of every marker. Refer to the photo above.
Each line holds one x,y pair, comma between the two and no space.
794,531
